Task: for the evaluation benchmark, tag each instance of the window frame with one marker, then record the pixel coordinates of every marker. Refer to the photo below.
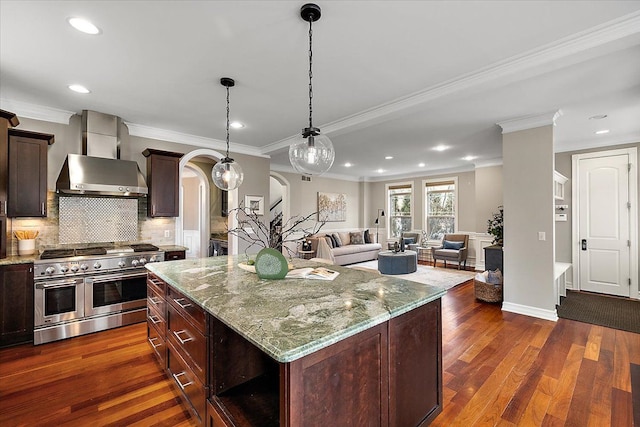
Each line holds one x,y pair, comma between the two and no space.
387,217
456,192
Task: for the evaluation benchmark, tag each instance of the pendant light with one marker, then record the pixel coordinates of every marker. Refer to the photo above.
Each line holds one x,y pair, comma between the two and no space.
227,174
312,153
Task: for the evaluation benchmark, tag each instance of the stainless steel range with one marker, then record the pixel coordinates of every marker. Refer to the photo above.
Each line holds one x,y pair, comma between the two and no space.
85,290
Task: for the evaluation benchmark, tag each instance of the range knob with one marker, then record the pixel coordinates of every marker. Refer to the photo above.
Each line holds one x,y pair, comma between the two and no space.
143,261
83,267
121,264
153,259
97,265
64,268
50,270
134,263
74,268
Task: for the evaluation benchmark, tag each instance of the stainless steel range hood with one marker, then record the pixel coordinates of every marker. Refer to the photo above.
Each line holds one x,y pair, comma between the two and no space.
99,171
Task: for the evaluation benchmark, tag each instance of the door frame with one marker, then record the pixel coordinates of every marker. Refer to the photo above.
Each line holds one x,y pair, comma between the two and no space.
203,208
632,152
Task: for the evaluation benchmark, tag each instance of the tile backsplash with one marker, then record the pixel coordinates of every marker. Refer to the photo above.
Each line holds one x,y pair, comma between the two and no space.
150,230
97,219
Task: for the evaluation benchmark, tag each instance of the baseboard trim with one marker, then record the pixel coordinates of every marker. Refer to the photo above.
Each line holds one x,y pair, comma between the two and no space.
530,311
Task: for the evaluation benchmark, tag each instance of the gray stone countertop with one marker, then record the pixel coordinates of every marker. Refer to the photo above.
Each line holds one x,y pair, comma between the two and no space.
15,259
291,318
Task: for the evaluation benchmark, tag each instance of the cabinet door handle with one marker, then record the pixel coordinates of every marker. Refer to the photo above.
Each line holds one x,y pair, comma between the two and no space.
152,340
182,341
177,378
4,204
154,319
43,208
177,300
154,300
153,209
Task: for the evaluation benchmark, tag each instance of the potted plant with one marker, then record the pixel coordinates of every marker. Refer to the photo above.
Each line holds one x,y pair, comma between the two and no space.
495,227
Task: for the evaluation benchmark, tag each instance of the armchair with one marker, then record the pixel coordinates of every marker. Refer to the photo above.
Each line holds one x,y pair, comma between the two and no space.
454,248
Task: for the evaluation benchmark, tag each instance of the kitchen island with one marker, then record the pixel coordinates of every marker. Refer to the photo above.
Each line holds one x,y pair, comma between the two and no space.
363,349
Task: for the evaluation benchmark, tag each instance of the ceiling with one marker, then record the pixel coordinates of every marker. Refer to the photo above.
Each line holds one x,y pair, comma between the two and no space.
390,78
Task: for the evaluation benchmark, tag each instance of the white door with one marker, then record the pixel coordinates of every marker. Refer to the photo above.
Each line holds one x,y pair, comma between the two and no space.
604,224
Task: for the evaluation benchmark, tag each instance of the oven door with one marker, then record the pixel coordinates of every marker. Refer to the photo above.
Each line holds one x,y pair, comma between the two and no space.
57,301
110,293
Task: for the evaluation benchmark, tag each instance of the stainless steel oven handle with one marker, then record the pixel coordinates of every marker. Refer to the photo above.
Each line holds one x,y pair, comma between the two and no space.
52,285
112,277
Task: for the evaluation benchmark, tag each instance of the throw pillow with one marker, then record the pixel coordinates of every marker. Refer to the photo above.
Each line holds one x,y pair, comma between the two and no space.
494,277
367,236
345,238
337,242
329,241
425,239
452,245
409,240
357,238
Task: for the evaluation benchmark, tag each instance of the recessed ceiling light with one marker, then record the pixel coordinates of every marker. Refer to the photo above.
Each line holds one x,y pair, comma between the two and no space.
602,132
79,88
421,165
468,158
598,117
83,25
388,157
380,170
440,147
348,165
236,125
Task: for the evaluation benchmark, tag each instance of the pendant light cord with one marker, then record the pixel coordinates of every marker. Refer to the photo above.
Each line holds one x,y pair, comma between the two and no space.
227,156
310,75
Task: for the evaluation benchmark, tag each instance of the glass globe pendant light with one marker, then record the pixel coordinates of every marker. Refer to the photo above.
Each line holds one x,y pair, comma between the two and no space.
227,173
312,153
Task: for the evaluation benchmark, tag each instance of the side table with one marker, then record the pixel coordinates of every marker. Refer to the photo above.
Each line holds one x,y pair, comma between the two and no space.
424,255
306,254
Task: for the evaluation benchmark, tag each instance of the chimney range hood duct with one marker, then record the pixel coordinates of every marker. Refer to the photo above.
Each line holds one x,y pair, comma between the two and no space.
99,171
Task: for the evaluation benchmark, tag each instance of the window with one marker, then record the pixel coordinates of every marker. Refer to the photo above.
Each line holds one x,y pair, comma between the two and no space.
440,201
399,213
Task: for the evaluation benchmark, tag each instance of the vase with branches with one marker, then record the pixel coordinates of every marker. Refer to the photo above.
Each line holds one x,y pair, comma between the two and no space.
496,226
256,233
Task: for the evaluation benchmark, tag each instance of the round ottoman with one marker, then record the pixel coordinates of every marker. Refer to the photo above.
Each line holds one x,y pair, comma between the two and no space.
390,262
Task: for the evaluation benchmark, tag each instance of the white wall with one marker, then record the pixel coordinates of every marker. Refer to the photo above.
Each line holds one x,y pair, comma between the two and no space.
528,210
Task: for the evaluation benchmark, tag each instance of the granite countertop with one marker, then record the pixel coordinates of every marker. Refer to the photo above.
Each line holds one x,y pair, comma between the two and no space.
170,248
291,318
15,259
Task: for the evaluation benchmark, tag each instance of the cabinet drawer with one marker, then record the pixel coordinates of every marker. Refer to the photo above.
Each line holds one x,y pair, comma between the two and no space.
188,308
157,302
174,255
189,341
159,285
188,383
158,344
157,321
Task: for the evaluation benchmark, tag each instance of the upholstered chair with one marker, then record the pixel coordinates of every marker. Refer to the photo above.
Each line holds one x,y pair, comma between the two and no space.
454,248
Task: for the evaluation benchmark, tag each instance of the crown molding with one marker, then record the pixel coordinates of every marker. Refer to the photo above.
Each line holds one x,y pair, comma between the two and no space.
36,112
291,170
189,139
616,29
421,174
529,122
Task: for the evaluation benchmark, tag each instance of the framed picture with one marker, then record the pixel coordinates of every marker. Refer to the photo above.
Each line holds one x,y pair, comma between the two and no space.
332,207
254,204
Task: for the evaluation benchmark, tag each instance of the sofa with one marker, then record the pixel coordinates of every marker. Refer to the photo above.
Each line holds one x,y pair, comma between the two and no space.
351,246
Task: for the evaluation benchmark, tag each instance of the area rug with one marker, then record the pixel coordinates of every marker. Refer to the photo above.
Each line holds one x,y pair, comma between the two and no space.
428,275
616,313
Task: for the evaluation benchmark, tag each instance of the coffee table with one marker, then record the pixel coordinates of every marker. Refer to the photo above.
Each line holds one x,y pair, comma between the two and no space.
390,262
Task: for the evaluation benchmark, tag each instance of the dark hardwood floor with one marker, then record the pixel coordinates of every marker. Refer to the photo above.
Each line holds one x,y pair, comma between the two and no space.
500,369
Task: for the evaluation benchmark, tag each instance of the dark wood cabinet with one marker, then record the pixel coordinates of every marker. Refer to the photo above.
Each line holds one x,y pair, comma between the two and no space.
174,255
27,184
16,304
163,182
7,120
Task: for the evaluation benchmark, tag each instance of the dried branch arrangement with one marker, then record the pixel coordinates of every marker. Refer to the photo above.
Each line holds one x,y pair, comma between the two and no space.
253,231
